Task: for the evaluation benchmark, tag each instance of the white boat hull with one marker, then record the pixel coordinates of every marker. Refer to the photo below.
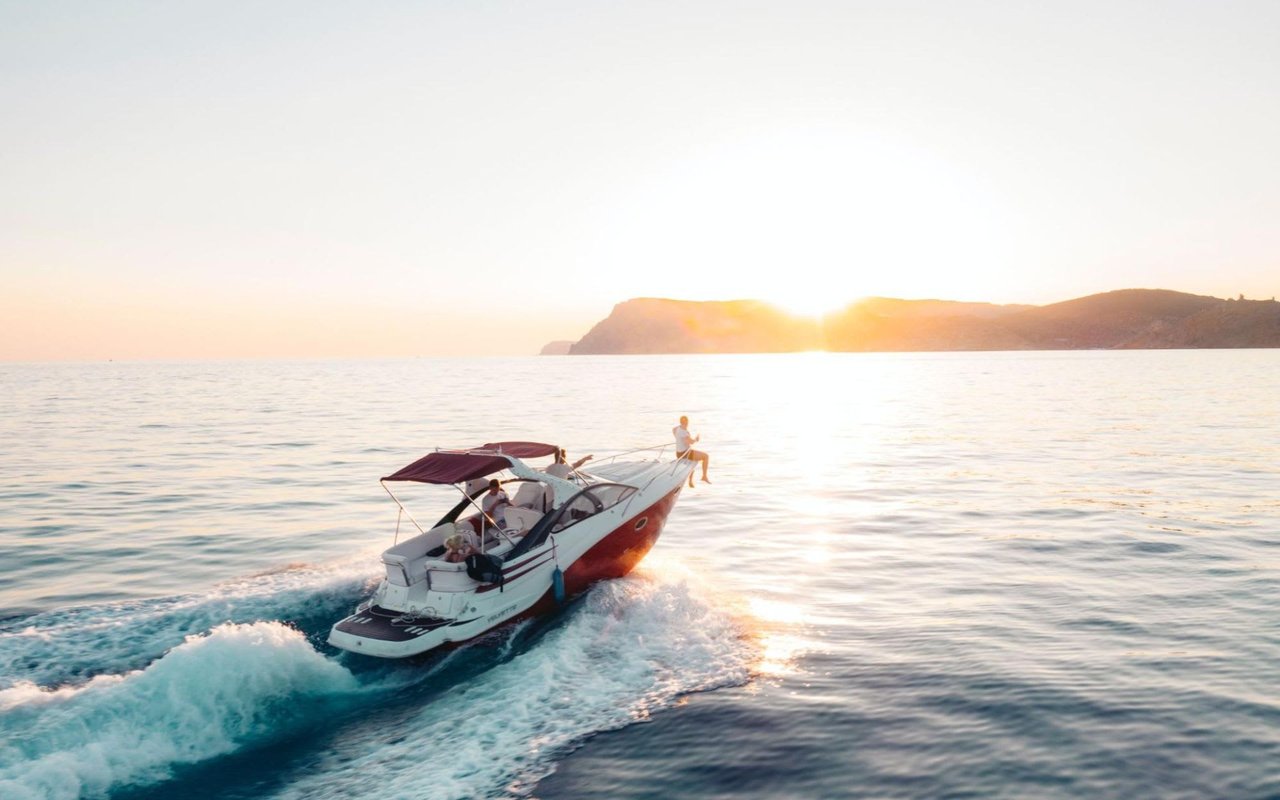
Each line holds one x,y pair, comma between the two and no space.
443,607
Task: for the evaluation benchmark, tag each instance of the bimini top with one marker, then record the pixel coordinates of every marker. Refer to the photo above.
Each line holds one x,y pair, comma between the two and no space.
456,467
522,449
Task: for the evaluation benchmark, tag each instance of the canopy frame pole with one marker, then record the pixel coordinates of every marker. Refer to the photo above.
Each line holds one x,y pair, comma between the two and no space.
483,516
403,510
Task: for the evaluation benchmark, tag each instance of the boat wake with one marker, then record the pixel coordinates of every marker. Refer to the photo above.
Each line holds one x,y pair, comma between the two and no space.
630,648
73,645
212,695
487,719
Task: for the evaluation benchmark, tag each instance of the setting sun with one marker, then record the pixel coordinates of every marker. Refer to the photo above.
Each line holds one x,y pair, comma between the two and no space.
811,304
807,219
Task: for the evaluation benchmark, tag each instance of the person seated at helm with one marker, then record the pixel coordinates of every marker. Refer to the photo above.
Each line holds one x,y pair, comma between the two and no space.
494,505
562,468
457,549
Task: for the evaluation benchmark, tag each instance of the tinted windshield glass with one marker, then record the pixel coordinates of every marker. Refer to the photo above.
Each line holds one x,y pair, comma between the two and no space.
590,502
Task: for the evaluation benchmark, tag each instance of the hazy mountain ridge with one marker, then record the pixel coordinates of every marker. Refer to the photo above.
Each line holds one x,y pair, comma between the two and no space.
1126,318
655,325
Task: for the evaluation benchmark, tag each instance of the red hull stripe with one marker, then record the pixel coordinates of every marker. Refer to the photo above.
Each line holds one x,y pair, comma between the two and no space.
520,564
511,578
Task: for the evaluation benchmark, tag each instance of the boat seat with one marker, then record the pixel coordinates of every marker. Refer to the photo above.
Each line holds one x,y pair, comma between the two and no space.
405,561
521,520
448,576
532,495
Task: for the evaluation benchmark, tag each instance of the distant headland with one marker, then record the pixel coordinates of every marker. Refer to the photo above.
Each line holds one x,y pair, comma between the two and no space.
1124,319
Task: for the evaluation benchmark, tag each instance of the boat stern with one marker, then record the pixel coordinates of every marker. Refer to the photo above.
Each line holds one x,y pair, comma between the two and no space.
376,631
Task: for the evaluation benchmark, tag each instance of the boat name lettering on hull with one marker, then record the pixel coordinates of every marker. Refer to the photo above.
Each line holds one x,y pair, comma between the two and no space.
503,613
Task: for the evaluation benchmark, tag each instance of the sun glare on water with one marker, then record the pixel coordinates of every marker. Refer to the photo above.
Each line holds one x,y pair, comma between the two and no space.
775,625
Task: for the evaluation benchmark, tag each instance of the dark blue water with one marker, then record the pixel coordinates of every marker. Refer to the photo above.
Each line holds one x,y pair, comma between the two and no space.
959,575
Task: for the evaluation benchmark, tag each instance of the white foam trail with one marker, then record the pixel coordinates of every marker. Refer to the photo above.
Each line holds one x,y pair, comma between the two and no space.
207,697
64,646
629,650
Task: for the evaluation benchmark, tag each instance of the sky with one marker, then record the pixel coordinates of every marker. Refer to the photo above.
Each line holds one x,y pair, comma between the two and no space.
325,179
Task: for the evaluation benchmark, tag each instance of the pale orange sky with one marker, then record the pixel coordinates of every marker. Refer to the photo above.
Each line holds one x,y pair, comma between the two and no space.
323,179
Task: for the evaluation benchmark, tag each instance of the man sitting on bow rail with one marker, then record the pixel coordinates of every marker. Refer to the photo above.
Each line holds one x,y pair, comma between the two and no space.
684,449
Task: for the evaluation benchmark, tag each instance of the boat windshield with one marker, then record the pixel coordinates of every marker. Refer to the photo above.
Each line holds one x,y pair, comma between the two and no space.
583,505
590,502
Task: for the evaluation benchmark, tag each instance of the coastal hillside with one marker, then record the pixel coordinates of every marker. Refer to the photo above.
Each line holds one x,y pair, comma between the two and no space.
556,348
888,324
1114,319
1127,318
653,325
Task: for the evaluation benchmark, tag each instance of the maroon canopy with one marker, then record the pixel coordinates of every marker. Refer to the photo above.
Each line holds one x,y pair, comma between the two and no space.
450,468
523,449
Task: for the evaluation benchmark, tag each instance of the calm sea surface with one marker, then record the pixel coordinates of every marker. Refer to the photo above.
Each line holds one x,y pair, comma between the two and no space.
1022,575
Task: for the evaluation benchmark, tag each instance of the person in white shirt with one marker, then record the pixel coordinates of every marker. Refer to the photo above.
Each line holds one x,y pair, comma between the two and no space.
494,504
684,448
563,469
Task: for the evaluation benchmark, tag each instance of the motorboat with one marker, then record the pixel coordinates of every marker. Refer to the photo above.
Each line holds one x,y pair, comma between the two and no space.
563,530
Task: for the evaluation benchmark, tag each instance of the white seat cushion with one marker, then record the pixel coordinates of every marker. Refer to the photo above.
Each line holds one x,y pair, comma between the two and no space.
532,495
522,519
403,560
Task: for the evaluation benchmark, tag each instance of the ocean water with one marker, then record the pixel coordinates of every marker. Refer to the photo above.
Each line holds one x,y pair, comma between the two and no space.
1023,575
